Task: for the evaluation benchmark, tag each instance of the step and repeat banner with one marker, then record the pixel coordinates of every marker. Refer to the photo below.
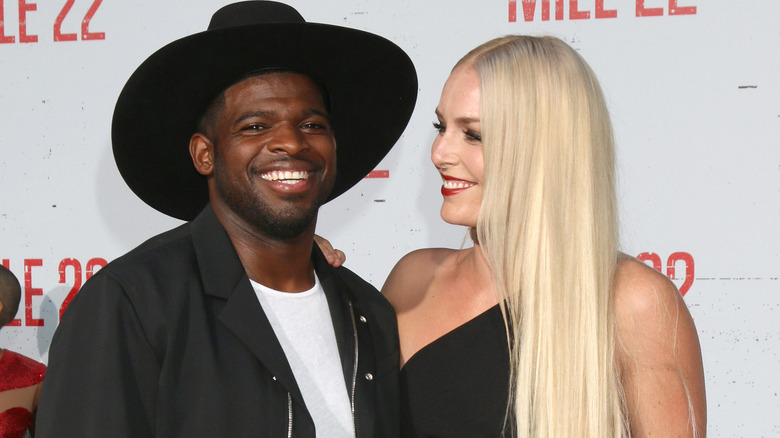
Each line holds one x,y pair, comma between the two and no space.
693,88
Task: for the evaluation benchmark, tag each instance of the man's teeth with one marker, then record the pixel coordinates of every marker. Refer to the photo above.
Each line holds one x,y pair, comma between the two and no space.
450,184
286,176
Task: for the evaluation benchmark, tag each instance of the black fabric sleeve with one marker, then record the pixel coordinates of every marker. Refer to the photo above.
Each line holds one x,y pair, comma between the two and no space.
102,375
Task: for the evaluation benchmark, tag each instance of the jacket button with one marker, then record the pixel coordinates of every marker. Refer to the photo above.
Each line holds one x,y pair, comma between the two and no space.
363,319
369,377
273,378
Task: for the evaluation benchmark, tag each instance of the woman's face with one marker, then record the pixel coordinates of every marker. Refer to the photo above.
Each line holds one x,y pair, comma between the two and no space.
457,149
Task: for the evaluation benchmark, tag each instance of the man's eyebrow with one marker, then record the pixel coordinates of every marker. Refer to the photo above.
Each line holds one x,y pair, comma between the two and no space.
267,113
317,112
254,114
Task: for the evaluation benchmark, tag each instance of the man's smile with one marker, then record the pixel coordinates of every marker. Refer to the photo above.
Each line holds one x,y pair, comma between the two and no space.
286,176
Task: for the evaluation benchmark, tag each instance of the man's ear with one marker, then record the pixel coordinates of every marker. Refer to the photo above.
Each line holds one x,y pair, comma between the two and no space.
202,153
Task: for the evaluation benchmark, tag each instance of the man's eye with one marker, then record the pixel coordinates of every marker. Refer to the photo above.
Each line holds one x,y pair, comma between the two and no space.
316,126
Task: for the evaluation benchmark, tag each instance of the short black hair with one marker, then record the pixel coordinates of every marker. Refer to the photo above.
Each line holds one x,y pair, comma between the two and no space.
10,295
208,120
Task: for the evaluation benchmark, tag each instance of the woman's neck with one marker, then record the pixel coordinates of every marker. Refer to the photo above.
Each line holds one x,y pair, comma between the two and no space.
473,270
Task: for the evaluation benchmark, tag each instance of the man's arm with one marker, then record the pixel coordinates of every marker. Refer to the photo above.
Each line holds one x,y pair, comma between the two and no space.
102,372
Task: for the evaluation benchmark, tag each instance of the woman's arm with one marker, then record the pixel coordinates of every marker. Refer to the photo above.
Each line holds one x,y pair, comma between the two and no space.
659,355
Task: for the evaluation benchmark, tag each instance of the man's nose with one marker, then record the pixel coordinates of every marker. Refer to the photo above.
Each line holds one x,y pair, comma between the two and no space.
287,139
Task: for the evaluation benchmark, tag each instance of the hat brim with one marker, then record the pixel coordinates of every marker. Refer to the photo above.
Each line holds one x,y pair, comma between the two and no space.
371,84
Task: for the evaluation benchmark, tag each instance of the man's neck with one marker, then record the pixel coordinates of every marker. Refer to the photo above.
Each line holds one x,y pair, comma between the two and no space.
280,264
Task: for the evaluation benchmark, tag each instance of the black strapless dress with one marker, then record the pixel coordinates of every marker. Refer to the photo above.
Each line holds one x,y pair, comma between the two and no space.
458,385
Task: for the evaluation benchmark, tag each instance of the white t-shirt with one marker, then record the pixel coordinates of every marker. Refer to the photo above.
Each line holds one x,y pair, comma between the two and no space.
302,323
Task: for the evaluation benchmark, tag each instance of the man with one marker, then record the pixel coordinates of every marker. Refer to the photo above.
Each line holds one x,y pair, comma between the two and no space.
233,324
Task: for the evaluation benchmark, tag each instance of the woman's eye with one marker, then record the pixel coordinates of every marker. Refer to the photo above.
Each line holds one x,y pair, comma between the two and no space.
473,135
440,127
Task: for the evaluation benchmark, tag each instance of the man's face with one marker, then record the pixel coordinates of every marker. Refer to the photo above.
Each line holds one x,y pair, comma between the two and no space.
274,154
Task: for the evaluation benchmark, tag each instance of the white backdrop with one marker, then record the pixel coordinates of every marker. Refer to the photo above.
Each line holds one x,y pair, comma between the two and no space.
692,86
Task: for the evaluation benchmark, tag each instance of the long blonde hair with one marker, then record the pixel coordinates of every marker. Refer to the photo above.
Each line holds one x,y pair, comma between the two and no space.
548,228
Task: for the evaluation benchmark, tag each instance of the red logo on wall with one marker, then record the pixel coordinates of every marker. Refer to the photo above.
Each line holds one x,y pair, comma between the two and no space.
66,265
26,7
672,270
581,10
378,174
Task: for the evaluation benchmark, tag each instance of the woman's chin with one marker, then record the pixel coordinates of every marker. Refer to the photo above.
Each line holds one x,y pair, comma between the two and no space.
454,218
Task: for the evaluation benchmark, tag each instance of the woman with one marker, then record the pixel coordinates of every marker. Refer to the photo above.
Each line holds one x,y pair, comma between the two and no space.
20,377
543,328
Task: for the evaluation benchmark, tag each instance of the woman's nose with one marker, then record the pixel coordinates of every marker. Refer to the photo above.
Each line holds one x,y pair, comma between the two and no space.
441,150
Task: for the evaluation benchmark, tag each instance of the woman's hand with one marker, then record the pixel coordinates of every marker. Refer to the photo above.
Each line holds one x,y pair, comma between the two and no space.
334,257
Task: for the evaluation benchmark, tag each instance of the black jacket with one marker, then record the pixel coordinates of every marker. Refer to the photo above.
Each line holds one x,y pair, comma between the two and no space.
170,341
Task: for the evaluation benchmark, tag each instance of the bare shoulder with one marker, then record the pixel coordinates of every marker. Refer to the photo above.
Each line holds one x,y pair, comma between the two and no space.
643,296
652,318
412,275
658,352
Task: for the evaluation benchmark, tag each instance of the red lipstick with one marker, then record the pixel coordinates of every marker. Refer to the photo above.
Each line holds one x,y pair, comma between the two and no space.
453,186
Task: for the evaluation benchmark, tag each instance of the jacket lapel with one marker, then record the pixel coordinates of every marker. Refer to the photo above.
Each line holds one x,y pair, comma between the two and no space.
338,296
224,277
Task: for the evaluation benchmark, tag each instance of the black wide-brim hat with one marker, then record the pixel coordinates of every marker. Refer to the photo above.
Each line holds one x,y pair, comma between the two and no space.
370,82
